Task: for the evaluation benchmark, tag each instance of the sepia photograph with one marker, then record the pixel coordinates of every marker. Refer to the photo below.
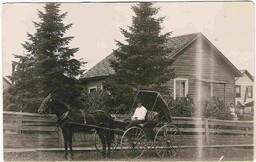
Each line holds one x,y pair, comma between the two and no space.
128,81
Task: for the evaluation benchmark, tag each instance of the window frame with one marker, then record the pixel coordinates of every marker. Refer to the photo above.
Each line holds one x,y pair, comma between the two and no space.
92,87
249,87
238,86
174,86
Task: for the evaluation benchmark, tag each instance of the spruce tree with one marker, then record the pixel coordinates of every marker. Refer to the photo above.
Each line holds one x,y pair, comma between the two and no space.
48,65
143,60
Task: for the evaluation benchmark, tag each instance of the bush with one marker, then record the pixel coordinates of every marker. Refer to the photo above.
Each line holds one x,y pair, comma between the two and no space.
182,107
121,96
215,108
246,118
103,100
97,101
9,99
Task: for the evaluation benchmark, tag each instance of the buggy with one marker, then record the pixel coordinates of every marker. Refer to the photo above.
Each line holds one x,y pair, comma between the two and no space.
156,132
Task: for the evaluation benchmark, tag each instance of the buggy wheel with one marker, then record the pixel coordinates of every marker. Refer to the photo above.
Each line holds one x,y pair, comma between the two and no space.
133,142
167,141
98,144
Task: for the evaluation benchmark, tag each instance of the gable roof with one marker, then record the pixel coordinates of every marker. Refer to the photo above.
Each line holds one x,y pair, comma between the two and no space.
6,81
101,69
247,73
176,44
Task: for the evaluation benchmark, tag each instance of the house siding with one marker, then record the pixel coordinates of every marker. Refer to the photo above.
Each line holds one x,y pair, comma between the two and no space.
244,82
97,84
186,65
214,67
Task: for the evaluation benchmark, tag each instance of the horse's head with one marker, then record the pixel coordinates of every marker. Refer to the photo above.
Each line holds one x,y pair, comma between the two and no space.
44,107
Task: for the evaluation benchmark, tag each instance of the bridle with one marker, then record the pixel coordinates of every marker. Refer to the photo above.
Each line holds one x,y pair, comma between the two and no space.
44,112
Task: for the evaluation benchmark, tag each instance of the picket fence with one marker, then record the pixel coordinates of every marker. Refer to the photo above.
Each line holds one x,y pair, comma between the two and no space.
31,130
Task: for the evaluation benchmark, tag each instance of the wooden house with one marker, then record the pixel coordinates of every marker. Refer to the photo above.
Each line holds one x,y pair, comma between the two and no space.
6,83
244,90
201,70
244,87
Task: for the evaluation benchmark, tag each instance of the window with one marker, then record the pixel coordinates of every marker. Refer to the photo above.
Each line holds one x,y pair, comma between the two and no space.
249,91
92,89
180,88
238,91
207,90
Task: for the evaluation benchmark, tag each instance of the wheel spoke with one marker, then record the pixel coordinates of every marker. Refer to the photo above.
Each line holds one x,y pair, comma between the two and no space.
138,139
166,141
136,142
139,134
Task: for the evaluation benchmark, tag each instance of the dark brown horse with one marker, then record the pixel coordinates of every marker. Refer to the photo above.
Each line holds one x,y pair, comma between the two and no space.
72,121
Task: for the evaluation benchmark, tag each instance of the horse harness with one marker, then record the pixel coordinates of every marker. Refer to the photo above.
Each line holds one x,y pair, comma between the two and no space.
63,117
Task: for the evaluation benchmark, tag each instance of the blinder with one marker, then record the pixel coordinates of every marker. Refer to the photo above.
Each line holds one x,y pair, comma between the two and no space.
45,104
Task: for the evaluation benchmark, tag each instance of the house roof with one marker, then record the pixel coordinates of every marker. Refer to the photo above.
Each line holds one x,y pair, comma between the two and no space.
176,44
101,69
247,73
7,81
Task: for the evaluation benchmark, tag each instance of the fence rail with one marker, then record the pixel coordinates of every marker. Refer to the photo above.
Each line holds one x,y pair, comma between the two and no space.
28,130
215,132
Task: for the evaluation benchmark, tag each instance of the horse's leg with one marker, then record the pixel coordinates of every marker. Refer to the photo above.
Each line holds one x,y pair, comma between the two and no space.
109,140
70,135
64,133
103,141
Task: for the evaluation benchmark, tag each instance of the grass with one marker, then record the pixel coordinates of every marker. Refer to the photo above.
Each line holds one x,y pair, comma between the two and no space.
188,154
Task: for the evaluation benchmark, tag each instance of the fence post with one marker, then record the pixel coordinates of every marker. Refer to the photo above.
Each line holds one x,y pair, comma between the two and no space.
246,129
61,139
206,125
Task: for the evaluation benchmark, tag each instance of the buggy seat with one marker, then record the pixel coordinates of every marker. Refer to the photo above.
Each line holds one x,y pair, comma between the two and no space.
152,116
150,121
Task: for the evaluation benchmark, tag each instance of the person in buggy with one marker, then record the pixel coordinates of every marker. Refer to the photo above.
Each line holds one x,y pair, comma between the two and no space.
142,115
138,117
139,113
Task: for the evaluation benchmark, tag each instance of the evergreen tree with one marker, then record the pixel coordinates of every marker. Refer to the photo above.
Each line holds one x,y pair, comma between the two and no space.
48,65
143,59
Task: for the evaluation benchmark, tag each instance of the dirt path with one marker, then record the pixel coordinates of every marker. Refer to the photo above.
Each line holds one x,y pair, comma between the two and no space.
209,154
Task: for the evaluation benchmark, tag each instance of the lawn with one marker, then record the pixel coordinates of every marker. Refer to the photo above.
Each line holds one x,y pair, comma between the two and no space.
188,154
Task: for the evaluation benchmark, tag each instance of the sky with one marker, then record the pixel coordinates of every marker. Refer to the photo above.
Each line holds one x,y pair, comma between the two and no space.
96,26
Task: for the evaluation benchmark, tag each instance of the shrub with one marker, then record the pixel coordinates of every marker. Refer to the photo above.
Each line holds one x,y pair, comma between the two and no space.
214,108
103,100
246,117
182,107
121,96
97,101
9,99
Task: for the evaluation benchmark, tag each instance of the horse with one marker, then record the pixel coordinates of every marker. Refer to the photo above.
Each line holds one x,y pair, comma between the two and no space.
71,121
